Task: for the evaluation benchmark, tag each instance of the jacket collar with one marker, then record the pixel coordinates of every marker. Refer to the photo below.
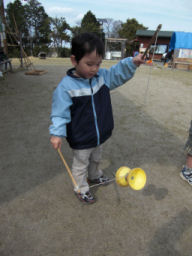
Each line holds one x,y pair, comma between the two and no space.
70,73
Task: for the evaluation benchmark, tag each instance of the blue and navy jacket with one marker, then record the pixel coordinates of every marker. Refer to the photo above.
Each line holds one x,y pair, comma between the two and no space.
81,108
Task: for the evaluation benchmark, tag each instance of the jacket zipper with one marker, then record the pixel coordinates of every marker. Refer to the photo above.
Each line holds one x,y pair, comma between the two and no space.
94,113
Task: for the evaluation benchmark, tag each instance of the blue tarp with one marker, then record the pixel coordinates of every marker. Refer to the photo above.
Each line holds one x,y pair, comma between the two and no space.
180,40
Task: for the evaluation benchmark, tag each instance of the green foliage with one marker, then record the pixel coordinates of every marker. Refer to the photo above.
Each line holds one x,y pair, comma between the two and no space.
75,30
16,23
64,52
89,23
16,12
39,32
38,23
14,52
59,32
128,30
38,49
29,22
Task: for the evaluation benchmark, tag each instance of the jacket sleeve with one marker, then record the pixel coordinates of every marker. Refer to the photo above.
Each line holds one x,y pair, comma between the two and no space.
119,73
60,114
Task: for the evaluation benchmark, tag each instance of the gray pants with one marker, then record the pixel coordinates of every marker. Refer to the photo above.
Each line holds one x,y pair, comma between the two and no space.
86,165
188,145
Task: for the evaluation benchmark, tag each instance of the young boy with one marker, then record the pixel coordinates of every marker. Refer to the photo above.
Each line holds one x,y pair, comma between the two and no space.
82,112
186,172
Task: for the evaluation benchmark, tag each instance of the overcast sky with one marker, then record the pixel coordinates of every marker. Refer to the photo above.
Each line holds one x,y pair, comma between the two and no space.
174,15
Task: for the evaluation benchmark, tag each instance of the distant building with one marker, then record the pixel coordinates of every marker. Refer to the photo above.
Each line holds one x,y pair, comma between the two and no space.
115,55
162,45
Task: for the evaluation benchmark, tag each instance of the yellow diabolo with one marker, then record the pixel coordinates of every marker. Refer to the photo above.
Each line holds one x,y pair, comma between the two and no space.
121,176
135,178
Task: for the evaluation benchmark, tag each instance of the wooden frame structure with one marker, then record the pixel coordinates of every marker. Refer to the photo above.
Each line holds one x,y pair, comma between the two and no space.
117,40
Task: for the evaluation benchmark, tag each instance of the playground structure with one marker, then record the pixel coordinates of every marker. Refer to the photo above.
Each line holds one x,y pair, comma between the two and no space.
116,54
16,41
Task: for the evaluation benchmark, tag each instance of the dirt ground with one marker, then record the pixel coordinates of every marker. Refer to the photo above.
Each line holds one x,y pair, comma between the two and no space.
39,214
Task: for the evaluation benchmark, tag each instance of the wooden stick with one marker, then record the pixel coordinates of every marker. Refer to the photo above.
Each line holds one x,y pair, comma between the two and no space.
68,170
152,40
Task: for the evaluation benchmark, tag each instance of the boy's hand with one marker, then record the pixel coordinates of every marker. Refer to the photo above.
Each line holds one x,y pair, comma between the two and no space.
137,60
56,142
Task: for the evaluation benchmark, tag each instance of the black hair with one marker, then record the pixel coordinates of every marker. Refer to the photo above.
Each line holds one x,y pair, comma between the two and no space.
86,43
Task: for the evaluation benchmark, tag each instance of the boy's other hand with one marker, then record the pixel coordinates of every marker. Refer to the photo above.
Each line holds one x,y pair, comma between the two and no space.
56,142
137,60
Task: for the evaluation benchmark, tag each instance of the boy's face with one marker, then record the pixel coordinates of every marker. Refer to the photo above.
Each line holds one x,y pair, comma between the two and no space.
88,66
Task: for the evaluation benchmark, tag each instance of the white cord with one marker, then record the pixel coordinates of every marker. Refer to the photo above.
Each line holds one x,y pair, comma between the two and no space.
149,76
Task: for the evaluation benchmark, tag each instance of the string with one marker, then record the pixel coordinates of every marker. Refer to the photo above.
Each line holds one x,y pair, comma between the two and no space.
109,181
149,76
135,146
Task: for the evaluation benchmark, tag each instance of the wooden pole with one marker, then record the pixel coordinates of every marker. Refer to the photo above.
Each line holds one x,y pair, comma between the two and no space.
19,40
152,40
68,170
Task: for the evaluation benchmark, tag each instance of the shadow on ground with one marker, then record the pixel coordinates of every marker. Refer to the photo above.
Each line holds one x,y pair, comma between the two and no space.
166,238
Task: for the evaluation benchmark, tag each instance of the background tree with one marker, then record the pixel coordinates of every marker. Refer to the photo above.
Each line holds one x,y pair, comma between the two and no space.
89,23
76,30
115,28
38,24
59,34
107,24
16,26
128,30
16,11
111,27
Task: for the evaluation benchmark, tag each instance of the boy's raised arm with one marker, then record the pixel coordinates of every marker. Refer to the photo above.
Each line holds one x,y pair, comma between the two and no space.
122,71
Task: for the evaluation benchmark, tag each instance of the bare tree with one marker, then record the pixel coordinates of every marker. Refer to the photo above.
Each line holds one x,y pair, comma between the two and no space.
110,27
107,26
115,29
